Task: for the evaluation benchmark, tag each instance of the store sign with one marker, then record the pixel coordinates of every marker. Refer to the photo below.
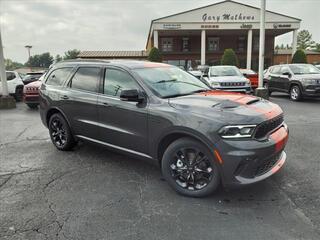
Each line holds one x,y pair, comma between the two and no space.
246,26
172,26
227,17
278,25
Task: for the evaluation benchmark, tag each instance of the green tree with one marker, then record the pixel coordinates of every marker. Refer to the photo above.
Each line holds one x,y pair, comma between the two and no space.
316,47
58,58
229,58
154,55
299,57
71,54
40,60
304,40
11,65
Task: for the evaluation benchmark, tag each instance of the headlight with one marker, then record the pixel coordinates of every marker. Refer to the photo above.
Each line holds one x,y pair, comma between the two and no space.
248,81
237,131
215,84
309,81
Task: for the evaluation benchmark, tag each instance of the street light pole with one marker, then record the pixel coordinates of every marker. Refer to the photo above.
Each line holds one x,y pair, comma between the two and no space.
3,75
28,47
261,91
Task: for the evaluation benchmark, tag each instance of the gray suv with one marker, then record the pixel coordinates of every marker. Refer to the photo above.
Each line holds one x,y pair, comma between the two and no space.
299,80
199,136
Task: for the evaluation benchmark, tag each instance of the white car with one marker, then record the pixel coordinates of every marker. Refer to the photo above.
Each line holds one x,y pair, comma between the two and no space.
15,85
227,78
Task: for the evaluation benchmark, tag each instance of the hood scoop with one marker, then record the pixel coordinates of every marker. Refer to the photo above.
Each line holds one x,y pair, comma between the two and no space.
227,104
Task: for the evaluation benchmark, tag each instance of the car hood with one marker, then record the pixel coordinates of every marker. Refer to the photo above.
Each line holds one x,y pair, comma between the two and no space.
34,84
227,79
307,76
228,107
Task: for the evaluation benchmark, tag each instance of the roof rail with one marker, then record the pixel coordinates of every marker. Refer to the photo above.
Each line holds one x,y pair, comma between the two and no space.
84,60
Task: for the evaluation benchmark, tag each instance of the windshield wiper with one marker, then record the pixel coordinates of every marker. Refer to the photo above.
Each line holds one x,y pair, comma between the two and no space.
165,81
185,94
200,90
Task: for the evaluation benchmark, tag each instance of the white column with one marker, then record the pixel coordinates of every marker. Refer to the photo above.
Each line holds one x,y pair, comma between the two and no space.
249,49
294,41
155,39
261,42
3,75
203,47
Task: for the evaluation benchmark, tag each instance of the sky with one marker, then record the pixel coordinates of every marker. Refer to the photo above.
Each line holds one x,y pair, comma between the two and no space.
56,26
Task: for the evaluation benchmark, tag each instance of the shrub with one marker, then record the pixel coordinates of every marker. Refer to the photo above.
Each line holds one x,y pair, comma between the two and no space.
299,57
154,55
229,58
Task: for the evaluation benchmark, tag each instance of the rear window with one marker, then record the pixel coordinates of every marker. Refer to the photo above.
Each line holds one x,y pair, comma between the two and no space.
86,78
58,76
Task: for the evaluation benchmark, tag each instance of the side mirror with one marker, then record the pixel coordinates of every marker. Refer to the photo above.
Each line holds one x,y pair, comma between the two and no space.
132,95
287,74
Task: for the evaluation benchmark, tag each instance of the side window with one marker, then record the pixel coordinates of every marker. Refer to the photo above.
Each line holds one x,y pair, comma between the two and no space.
10,76
115,81
276,70
284,70
58,76
86,78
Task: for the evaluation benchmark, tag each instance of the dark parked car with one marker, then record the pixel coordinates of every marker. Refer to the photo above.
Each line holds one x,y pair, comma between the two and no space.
299,80
201,137
32,77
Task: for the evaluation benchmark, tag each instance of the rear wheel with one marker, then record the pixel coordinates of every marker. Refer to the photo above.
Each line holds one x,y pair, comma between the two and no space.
60,133
190,169
295,93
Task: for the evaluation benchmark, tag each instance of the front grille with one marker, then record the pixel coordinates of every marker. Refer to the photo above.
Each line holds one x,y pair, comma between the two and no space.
268,126
267,165
232,84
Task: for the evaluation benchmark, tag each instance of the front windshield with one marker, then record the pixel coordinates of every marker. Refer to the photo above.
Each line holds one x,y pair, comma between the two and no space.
304,69
170,81
224,71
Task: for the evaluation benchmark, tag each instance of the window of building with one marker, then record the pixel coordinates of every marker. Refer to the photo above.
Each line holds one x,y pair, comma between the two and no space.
241,44
116,80
58,76
213,44
255,43
86,78
166,44
185,44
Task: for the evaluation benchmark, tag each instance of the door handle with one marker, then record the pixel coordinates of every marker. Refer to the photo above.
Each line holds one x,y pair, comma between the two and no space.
65,97
105,104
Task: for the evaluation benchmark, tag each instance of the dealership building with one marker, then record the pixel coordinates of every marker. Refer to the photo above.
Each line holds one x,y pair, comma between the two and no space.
200,36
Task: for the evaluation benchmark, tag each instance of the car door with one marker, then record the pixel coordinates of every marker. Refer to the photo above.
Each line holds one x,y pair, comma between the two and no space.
79,101
274,78
285,78
123,124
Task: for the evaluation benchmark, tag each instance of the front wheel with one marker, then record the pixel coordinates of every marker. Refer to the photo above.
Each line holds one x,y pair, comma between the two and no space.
295,93
60,133
266,86
190,169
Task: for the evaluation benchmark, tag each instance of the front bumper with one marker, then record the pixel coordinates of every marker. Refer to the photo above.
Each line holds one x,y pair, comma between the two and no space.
31,98
234,89
250,161
311,91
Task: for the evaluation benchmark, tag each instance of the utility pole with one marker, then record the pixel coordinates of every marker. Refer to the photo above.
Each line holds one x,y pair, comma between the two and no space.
261,91
6,101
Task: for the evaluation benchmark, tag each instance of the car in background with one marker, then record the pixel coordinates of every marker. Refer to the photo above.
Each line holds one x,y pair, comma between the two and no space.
15,85
31,93
299,80
31,77
252,76
227,78
198,74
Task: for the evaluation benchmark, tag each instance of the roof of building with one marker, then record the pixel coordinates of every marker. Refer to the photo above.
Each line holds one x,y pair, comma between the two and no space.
113,54
289,52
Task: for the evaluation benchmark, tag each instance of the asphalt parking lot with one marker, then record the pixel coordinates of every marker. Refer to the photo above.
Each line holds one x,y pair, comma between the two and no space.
93,193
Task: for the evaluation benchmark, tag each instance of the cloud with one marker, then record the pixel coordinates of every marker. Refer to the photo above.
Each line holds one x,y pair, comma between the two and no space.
59,25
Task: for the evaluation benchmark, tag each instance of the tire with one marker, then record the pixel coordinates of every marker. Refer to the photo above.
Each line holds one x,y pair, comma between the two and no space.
186,178
295,93
18,93
33,105
60,133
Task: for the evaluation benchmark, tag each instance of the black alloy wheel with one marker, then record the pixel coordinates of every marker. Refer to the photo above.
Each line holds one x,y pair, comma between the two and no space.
60,133
295,93
190,168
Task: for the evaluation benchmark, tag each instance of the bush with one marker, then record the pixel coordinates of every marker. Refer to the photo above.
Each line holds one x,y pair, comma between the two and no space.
229,58
299,57
154,55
